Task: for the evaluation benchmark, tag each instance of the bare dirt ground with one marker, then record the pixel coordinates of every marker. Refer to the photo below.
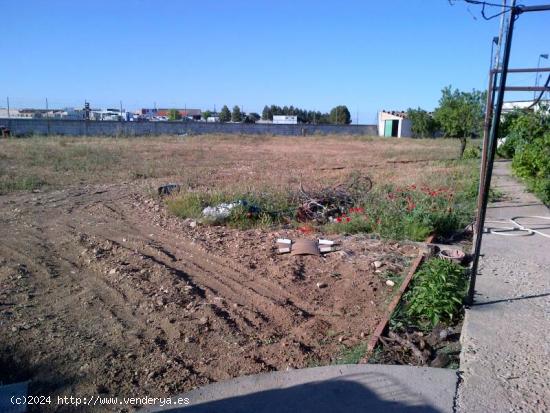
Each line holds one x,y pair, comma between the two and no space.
102,291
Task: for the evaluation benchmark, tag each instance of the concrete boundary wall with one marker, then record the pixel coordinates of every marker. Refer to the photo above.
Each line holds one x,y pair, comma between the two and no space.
26,127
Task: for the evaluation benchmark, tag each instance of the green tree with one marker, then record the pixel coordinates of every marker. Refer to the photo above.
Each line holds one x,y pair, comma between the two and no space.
206,114
236,115
460,114
266,113
423,124
251,118
174,114
340,115
225,114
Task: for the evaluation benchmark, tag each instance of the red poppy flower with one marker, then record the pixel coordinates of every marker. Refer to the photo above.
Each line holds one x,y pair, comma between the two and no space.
339,219
348,219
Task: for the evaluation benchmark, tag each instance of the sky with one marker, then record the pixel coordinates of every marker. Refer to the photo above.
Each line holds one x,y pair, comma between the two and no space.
368,55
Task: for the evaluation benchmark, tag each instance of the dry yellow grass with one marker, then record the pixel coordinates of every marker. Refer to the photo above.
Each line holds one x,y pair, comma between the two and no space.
223,161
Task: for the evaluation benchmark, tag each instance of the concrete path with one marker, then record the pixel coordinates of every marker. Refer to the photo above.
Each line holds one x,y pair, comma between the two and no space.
506,336
329,389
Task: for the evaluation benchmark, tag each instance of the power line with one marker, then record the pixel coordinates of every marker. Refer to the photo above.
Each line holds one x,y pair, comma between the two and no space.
484,5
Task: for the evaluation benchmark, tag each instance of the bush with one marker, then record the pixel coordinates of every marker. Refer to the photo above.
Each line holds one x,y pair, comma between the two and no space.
472,152
528,144
436,294
408,213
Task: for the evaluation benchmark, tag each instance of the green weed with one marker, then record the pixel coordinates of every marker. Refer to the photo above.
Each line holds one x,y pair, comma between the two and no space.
352,355
436,294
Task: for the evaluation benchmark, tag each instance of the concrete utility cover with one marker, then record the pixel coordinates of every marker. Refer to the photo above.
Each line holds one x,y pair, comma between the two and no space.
346,388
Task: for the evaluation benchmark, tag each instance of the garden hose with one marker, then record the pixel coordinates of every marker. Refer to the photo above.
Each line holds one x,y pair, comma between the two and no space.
512,231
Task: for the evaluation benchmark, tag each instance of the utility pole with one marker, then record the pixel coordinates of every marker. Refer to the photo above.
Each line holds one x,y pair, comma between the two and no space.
515,12
120,111
8,102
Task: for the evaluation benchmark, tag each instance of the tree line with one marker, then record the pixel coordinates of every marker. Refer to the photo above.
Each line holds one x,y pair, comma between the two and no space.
337,115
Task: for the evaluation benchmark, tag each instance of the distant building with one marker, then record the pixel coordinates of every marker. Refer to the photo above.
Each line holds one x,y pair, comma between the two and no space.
523,104
192,114
394,124
285,120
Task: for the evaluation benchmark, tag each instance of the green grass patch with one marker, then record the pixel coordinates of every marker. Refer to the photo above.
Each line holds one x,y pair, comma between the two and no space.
352,355
409,213
435,296
20,183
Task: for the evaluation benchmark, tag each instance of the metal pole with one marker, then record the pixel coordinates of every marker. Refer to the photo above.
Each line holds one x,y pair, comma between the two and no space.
8,102
514,12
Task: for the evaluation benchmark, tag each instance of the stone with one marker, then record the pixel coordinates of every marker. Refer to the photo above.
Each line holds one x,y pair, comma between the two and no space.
113,271
390,283
377,264
441,360
322,285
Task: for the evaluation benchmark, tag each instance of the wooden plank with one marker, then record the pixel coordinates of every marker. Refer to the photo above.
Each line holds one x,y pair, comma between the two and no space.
394,302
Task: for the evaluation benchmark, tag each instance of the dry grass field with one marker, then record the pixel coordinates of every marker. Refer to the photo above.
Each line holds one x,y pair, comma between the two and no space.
220,161
103,289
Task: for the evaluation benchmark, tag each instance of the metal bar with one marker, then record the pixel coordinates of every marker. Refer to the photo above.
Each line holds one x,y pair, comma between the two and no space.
525,89
491,90
491,154
527,9
526,70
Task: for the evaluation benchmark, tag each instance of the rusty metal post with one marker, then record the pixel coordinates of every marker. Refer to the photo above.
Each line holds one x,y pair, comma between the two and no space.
495,123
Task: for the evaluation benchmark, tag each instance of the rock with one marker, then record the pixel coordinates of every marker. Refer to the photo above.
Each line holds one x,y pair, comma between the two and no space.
193,224
322,285
203,320
113,271
441,360
377,264
390,283
443,334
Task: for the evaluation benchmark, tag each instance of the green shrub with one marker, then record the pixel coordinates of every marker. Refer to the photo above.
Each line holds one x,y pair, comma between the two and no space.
532,162
436,293
472,152
409,213
528,143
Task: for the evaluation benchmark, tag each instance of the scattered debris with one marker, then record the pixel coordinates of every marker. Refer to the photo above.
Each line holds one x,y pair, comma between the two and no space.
223,211
168,189
455,255
304,246
322,204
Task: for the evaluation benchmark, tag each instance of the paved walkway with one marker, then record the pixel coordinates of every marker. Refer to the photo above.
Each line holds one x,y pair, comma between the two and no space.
329,389
506,336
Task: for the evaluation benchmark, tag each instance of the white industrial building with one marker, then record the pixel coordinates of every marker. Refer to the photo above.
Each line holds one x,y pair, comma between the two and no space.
285,119
394,124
